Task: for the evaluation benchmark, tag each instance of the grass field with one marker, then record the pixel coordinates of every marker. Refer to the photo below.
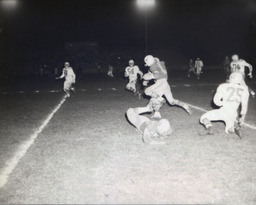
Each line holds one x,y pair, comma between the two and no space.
89,153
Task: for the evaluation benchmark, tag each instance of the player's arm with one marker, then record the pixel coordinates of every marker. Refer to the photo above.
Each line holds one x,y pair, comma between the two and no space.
62,76
126,74
250,68
218,97
148,76
73,75
244,103
140,73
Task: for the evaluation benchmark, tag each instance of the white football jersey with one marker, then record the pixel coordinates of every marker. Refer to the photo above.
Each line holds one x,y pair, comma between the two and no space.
132,72
239,66
230,96
69,74
199,64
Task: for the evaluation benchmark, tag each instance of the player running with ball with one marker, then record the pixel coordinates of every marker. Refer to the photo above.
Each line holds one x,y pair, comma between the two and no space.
228,97
132,71
70,79
161,87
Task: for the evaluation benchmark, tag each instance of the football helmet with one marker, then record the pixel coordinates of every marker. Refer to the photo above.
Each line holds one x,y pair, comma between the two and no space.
131,63
164,127
149,60
235,57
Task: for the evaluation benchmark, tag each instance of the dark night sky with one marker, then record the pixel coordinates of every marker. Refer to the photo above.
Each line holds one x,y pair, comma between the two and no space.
202,27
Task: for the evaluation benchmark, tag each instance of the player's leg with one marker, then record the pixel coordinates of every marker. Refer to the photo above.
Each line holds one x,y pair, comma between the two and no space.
190,70
138,88
133,86
251,92
66,88
128,86
172,101
198,72
72,88
208,117
155,88
136,119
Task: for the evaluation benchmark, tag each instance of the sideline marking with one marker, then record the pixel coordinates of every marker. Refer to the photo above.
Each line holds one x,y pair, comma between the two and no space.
203,110
22,149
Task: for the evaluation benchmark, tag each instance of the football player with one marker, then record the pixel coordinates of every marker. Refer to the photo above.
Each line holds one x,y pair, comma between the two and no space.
228,97
151,130
238,65
132,71
198,66
191,67
158,73
70,79
110,71
226,67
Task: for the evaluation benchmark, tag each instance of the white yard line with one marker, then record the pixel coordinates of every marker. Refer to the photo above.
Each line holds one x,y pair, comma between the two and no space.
12,163
203,110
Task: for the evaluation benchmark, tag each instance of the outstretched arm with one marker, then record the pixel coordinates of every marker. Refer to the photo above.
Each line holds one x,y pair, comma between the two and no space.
62,76
250,69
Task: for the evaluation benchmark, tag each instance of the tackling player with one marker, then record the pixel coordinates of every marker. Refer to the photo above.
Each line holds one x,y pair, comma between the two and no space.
70,79
198,66
151,130
228,97
132,72
238,65
158,73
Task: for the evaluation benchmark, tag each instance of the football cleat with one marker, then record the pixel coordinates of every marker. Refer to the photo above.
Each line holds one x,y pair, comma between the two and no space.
67,95
237,131
73,90
156,115
187,108
252,93
207,131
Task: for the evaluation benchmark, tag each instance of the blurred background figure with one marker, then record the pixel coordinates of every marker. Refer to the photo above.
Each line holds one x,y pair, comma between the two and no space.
110,71
226,67
191,67
198,66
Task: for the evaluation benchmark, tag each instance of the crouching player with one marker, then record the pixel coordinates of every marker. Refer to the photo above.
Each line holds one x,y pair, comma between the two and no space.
153,131
70,79
158,73
228,97
132,72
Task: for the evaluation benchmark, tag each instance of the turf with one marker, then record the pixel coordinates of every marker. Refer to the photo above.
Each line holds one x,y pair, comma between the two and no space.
89,153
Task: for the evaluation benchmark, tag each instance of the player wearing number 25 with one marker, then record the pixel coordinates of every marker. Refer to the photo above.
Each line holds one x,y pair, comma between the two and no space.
228,97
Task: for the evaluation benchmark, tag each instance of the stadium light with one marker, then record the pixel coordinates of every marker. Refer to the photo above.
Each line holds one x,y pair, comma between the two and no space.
9,4
146,5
